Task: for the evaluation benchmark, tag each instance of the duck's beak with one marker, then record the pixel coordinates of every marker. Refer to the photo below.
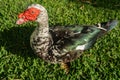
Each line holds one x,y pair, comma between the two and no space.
21,21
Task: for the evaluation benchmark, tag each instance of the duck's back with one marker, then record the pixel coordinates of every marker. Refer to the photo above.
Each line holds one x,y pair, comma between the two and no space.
77,37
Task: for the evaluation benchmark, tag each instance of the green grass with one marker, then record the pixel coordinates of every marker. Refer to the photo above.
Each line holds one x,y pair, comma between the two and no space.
17,61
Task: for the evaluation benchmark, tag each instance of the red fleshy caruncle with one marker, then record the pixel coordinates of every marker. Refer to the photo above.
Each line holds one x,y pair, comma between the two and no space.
30,14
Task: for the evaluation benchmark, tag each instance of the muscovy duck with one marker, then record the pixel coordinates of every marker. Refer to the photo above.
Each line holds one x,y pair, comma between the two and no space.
61,44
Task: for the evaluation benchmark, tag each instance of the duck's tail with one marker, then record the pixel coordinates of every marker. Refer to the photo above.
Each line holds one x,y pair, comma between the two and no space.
107,26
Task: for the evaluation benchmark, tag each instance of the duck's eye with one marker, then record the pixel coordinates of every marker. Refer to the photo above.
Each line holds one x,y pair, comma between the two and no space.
32,12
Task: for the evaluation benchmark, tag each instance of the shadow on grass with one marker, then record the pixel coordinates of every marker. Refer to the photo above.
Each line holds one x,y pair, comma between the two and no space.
107,4
17,40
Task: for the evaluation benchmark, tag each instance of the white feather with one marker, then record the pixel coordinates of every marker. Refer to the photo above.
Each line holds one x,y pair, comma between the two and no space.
81,47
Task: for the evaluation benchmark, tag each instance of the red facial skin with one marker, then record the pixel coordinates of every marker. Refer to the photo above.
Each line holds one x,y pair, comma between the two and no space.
30,14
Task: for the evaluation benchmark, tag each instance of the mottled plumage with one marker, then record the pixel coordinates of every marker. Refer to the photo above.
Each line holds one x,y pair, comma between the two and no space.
65,44
61,44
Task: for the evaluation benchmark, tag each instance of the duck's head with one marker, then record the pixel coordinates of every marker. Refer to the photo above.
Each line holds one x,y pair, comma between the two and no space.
34,12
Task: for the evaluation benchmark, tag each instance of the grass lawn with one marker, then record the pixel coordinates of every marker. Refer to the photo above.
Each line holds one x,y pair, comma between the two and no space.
17,61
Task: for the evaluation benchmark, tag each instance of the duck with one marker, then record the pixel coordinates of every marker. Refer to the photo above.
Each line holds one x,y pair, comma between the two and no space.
61,44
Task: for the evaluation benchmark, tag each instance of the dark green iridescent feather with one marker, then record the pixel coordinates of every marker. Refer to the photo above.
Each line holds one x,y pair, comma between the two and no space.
76,35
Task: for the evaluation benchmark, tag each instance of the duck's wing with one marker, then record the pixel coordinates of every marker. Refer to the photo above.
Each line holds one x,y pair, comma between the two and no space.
76,37
70,41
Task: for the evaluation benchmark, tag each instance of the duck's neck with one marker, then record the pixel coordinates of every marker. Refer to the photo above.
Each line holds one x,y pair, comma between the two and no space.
43,23
44,28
